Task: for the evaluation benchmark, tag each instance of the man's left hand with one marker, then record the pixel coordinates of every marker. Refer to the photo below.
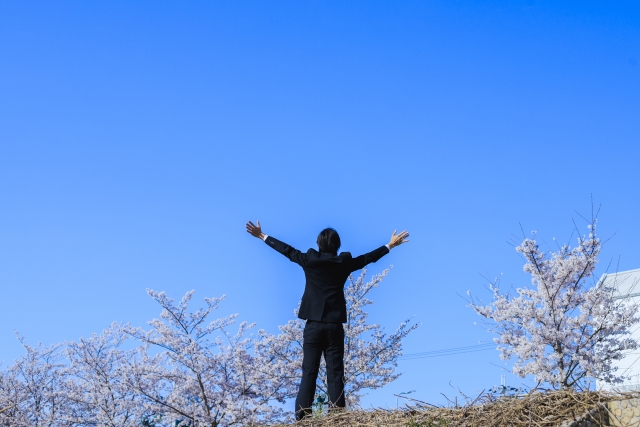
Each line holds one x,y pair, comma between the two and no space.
255,230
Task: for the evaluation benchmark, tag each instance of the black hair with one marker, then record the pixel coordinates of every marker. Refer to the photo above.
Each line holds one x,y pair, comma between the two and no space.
328,241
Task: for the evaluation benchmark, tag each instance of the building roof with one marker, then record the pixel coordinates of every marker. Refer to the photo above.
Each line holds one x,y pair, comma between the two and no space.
626,283
627,286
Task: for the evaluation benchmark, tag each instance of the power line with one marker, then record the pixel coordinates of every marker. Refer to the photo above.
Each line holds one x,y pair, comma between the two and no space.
449,351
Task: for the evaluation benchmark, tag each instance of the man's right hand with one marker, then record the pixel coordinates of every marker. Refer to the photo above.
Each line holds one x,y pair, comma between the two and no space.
398,239
255,230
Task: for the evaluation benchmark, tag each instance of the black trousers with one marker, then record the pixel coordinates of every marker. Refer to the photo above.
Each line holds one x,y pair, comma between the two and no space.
321,339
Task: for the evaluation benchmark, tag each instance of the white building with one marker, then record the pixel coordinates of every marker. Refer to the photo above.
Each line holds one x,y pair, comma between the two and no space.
627,283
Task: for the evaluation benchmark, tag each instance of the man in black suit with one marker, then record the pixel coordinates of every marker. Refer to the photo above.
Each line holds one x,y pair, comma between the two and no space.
324,307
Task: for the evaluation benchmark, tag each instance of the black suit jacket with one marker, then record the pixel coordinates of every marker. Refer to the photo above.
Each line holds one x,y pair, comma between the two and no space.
325,274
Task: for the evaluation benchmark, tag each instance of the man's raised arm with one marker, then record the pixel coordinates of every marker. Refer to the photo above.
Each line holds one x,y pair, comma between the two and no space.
373,256
290,252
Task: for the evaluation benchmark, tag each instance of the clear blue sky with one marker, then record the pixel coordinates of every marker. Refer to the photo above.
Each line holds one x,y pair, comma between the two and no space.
136,138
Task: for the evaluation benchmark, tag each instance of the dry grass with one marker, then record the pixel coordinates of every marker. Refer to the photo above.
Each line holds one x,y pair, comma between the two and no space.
537,409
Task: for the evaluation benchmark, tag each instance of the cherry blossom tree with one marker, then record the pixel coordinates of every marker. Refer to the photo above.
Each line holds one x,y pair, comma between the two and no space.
565,328
188,370
99,393
33,389
370,354
195,373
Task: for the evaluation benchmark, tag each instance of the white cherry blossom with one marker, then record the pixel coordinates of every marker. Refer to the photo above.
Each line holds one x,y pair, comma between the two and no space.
564,329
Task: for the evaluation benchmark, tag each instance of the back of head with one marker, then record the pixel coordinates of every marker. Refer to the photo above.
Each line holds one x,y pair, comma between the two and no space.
328,241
